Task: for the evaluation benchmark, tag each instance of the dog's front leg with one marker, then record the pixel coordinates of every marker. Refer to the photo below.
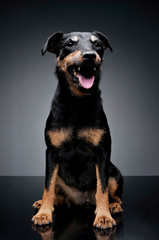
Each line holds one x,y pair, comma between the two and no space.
44,215
103,219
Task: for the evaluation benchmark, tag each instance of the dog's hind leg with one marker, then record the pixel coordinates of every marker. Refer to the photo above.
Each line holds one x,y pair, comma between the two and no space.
115,188
37,204
59,200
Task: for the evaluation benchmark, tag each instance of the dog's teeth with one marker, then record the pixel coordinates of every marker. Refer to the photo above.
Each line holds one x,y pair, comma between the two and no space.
79,68
75,73
94,68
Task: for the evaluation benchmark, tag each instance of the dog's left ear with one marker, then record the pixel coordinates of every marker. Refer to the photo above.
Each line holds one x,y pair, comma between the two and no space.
52,43
104,40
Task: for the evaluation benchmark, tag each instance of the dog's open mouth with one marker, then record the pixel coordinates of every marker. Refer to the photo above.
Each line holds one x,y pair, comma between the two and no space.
85,82
83,76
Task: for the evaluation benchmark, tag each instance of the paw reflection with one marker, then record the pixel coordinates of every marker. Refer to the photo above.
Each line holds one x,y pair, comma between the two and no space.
45,232
105,234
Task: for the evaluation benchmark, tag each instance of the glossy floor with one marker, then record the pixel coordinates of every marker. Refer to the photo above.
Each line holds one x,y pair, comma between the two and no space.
140,220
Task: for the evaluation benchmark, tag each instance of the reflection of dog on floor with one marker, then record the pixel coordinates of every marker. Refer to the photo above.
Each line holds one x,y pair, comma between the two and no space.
76,223
78,166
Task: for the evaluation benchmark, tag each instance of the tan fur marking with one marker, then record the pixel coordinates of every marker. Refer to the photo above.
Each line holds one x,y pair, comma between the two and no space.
93,38
44,215
102,201
91,135
69,60
112,186
74,38
98,59
58,136
103,216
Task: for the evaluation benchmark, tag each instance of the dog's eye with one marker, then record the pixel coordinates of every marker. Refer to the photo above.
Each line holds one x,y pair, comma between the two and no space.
97,44
69,44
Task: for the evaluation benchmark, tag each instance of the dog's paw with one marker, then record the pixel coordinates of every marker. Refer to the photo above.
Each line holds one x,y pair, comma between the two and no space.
104,222
37,204
115,208
42,218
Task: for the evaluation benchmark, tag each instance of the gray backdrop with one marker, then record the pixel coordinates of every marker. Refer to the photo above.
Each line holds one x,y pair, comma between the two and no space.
129,81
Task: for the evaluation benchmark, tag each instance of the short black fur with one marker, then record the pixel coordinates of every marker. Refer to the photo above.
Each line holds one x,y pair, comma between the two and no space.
81,140
69,110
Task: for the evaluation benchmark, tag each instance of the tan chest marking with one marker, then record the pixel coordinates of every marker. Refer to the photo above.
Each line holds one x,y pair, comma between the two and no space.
59,136
91,135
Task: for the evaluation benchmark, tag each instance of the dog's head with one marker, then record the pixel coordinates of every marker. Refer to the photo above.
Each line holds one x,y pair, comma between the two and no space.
79,58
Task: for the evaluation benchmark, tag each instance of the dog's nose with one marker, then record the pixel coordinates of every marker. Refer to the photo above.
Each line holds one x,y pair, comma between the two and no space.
89,56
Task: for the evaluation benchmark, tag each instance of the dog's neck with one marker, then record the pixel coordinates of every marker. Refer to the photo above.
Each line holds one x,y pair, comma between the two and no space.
70,100
77,111
74,109
67,96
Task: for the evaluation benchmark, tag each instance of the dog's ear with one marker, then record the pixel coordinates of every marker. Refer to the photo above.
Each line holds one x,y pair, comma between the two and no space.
52,43
104,40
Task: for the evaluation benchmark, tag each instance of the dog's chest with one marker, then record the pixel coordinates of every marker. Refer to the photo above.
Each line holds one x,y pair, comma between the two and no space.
58,137
77,154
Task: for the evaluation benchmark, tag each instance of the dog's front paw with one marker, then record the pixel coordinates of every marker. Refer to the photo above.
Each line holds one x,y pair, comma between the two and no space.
42,218
104,222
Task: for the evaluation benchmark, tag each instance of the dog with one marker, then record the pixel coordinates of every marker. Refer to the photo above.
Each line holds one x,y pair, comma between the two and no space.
77,135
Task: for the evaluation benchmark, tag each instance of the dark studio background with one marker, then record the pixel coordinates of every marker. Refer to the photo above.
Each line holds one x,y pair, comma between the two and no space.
129,79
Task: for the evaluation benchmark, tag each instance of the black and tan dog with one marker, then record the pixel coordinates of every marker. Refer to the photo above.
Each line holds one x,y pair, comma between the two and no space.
78,166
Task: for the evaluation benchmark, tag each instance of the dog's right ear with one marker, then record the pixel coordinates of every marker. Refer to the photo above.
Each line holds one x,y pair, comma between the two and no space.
52,43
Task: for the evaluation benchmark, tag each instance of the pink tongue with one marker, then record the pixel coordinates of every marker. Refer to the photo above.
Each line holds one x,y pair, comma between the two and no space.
85,82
